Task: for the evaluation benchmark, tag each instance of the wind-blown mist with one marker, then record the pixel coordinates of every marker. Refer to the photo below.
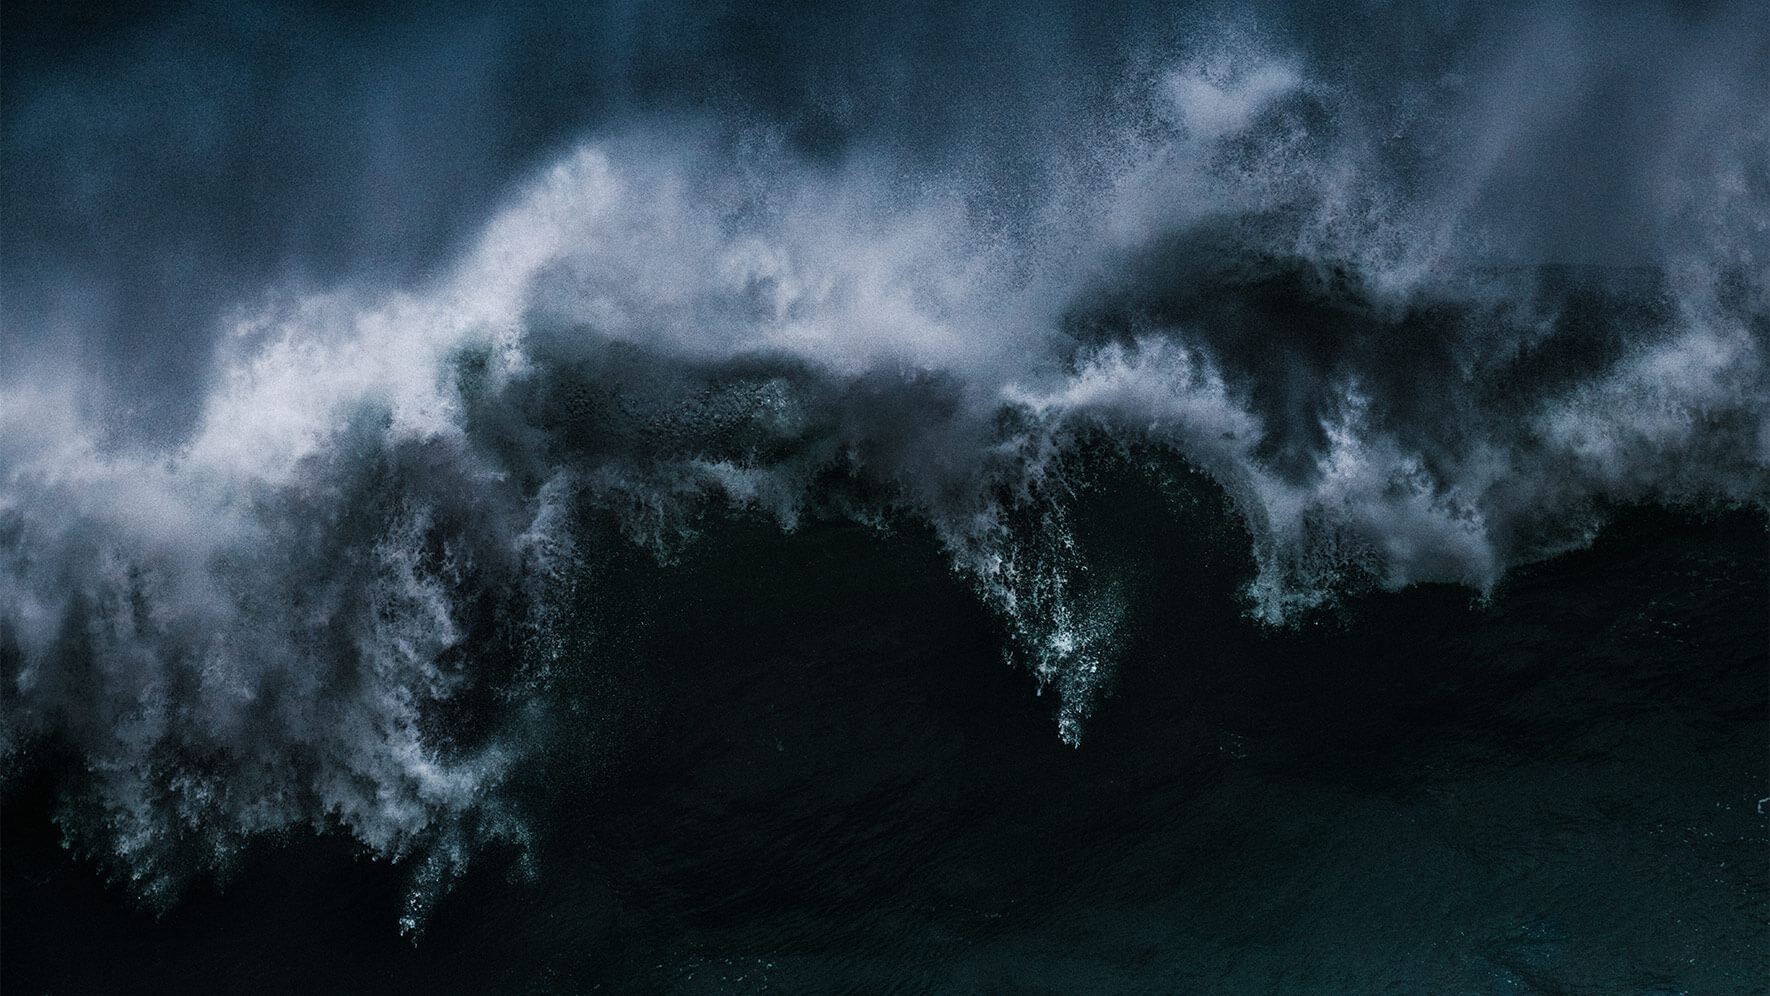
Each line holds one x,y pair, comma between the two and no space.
1421,303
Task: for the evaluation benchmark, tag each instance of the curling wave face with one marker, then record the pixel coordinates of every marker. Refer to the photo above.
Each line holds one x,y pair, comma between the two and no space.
342,600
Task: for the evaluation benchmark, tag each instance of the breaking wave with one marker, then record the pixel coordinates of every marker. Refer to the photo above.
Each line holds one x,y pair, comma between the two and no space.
343,598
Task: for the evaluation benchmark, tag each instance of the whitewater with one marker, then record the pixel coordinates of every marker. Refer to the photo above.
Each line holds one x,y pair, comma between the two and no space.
343,596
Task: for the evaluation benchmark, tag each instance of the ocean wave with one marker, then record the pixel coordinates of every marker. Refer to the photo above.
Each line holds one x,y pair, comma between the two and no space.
343,598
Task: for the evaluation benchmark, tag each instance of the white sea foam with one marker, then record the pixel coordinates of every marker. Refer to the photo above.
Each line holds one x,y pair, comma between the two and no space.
248,632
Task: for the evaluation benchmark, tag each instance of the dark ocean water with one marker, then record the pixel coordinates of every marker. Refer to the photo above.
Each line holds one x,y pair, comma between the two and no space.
1203,497
827,780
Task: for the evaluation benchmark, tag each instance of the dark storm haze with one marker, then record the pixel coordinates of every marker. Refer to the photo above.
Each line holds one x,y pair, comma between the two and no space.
539,498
